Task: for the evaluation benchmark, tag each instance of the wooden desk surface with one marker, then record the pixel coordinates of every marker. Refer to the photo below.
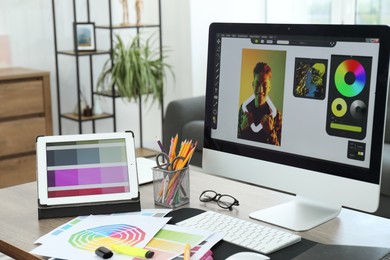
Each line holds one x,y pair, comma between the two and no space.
19,224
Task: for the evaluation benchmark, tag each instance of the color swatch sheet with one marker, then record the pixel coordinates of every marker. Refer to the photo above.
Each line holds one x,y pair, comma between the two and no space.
167,243
170,241
157,213
81,241
87,168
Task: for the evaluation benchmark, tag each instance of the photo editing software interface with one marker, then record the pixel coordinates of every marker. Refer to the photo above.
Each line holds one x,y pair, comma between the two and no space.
306,95
80,168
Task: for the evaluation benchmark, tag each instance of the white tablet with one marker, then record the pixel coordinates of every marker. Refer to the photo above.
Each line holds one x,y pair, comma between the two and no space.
86,168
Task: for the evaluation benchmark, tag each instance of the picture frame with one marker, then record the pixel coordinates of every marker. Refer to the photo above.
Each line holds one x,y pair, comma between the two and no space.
85,37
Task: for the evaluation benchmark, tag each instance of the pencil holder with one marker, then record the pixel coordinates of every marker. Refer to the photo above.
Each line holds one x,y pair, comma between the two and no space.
171,188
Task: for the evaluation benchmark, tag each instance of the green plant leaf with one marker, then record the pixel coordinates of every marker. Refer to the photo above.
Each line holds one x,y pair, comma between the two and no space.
138,70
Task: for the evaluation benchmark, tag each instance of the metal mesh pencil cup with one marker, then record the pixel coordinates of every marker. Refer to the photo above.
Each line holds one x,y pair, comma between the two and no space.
171,188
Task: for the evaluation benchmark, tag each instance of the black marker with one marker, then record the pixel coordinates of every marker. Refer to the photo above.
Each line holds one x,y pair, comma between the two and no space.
104,252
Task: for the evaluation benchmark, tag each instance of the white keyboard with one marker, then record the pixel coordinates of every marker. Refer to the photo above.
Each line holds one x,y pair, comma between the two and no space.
242,232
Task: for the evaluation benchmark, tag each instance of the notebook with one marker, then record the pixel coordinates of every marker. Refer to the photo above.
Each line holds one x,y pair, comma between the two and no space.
145,172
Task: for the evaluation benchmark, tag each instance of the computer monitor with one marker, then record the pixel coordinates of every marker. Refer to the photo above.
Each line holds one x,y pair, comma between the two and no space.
299,109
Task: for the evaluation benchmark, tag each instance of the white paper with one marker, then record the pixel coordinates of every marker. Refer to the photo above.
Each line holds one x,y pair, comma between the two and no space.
144,212
95,231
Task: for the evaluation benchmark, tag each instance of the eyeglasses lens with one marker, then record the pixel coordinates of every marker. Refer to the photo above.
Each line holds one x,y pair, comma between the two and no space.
208,195
226,201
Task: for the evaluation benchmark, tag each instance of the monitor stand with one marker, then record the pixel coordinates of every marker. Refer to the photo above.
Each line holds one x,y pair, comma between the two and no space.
299,214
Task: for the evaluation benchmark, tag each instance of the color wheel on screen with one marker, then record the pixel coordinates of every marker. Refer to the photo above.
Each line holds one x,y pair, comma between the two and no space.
116,234
350,78
348,96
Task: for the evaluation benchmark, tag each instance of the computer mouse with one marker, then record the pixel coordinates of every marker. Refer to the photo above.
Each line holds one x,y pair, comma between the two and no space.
247,256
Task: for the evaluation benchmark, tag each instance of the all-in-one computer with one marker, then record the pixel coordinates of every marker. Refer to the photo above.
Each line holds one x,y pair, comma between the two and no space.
299,109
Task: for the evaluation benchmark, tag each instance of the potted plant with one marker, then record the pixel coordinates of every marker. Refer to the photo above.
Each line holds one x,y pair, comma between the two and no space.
137,70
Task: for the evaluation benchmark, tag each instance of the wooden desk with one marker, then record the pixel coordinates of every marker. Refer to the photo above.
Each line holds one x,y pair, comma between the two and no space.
19,224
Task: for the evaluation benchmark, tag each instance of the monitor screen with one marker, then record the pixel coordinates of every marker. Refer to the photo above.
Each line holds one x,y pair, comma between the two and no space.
299,107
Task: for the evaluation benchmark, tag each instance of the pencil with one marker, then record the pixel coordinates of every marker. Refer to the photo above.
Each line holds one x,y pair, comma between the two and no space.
161,146
187,252
172,154
183,152
187,157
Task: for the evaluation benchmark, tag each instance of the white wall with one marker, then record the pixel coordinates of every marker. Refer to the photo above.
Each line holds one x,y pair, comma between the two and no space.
26,34
205,12
176,38
28,26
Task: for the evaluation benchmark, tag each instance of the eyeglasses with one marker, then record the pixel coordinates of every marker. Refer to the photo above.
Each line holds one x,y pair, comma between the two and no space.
223,200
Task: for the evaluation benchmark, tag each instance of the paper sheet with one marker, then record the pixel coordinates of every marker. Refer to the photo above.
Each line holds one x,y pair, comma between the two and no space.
81,241
144,212
170,241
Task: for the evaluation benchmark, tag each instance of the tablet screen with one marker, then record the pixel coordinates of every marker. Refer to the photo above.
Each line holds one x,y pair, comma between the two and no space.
85,169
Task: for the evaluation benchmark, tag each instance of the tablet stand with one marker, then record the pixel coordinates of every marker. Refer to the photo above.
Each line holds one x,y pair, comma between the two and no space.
105,207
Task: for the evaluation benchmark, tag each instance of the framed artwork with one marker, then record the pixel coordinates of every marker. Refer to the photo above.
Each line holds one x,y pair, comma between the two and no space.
85,36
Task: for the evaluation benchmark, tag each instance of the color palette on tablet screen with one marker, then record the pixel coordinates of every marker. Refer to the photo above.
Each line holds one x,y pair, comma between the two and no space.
87,168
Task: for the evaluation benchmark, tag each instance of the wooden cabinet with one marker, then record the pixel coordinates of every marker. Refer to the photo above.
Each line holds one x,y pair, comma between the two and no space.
25,113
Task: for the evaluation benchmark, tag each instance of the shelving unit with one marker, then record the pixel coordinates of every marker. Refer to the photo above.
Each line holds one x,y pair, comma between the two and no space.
78,55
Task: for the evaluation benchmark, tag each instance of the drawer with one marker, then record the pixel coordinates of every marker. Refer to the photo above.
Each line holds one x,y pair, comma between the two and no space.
17,170
21,98
18,136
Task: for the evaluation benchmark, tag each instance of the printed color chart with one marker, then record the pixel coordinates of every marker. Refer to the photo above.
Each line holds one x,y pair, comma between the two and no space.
169,242
87,168
117,234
